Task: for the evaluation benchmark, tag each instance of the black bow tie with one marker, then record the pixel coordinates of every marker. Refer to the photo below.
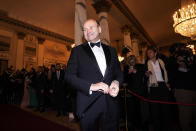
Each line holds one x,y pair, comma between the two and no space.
95,44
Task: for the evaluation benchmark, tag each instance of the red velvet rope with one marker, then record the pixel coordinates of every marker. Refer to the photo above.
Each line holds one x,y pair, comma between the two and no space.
164,102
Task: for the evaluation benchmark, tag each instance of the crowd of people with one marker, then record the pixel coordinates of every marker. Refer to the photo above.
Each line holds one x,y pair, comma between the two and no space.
38,89
160,78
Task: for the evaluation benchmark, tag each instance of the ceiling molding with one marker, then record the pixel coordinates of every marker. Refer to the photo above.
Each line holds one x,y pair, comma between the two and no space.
24,27
129,15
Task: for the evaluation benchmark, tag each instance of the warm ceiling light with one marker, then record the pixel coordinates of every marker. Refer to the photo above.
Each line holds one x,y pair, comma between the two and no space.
192,48
185,21
73,45
120,58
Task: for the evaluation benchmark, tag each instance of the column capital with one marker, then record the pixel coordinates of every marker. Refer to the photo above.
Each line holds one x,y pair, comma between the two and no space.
102,6
21,35
135,39
134,36
81,3
143,44
68,47
40,40
126,29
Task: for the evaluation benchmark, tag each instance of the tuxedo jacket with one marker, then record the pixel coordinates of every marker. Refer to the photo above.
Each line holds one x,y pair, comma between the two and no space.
83,70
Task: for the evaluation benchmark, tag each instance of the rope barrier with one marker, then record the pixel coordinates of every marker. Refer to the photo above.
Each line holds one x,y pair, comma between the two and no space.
155,101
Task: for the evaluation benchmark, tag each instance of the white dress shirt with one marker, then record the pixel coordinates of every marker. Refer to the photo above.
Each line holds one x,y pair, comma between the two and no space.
157,71
100,57
58,74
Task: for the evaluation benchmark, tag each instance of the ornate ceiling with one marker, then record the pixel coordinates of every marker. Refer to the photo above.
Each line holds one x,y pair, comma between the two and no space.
153,17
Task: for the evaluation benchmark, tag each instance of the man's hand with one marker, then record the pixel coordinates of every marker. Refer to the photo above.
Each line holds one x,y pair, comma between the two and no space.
132,71
148,73
114,88
100,87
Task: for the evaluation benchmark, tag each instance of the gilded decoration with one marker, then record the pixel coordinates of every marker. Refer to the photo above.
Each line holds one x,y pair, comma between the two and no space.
54,53
4,55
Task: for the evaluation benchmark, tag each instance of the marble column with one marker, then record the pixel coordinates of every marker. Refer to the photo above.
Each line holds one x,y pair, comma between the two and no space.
127,39
102,8
80,18
135,46
13,49
40,51
144,49
135,41
118,46
20,51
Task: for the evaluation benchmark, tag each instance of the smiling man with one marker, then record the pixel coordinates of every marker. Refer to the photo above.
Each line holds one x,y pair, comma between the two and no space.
94,70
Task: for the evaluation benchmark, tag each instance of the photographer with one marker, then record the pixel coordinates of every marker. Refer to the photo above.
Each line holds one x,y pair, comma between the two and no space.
183,82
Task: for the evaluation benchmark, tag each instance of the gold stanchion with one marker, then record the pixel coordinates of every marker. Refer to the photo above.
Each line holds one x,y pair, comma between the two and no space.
125,91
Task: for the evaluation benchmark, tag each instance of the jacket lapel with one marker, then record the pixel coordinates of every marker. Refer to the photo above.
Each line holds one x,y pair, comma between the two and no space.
91,55
107,57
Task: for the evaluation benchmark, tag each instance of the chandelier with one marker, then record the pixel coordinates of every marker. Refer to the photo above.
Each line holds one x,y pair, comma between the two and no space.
192,47
185,21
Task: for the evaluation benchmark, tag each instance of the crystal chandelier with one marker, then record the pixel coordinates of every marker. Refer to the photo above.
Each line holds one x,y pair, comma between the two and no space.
192,47
185,21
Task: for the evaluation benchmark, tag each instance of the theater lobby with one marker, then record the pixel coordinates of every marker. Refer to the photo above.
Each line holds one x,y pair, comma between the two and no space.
37,37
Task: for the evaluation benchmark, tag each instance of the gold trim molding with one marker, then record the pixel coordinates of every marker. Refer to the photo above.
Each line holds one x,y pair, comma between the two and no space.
26,28
129,15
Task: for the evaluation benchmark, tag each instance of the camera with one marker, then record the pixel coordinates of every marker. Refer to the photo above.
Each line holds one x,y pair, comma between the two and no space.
186,54
131,67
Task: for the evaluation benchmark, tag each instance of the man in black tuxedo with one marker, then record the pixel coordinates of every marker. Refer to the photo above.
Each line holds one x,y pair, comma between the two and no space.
94,70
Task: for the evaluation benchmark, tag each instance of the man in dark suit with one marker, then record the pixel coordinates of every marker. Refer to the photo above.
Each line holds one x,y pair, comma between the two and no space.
40,87
94,70
59,90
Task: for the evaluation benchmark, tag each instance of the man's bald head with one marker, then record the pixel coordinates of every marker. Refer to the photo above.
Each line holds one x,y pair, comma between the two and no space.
91,29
